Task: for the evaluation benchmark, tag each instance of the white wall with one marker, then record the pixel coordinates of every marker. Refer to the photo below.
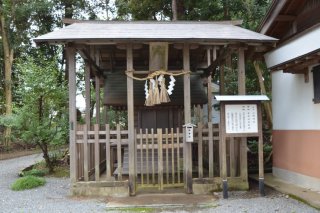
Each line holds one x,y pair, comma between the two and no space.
292,102
306,43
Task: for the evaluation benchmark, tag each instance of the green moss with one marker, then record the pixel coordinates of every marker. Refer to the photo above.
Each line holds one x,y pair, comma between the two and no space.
27,182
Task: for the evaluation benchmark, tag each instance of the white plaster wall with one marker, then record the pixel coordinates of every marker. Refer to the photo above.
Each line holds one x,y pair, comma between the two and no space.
296,47
292,102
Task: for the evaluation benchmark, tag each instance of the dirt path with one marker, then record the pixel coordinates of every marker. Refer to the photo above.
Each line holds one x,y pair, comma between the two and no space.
16,154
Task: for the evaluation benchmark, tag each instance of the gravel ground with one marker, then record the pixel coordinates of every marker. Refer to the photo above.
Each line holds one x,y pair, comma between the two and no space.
53,197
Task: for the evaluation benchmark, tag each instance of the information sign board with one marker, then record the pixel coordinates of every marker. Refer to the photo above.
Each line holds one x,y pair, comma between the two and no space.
241,118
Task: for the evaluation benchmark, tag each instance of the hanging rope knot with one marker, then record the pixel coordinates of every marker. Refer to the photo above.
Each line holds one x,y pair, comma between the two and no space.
157,79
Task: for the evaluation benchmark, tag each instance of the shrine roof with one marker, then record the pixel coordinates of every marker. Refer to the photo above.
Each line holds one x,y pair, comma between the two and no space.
186,31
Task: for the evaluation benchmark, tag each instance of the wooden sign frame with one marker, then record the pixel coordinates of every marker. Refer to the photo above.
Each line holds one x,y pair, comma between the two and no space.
224,135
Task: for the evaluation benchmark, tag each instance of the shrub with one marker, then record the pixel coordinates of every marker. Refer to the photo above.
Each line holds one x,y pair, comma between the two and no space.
27,182
34,172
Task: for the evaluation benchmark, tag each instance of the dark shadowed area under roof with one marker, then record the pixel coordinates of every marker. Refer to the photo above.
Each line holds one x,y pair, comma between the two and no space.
114,31
116,91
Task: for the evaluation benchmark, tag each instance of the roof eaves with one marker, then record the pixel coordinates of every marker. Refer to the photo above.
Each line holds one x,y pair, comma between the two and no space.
273,11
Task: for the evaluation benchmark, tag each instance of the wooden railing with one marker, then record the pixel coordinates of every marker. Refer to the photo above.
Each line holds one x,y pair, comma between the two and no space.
159,154
95,151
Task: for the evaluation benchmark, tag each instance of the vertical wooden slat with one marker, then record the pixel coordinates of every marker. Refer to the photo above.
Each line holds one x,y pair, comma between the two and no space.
184,157
85,152
141,156
119,153
160,159
108,153
167,156
172,155
211,151
147,155
232,157
187,115
130,110
200,153
96,152
152,156
178,154
72,114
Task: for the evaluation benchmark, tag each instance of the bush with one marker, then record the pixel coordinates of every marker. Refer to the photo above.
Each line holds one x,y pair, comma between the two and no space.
34,172
27,182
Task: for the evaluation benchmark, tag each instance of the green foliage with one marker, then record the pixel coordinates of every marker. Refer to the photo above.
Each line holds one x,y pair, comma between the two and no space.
27,182
34,172
41,115
117,117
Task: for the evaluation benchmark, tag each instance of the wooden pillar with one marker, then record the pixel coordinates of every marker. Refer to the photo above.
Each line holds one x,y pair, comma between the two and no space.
97,79
87,88
209,89
260,152
130,110
223,151
242,91
72,113
187,117
86,146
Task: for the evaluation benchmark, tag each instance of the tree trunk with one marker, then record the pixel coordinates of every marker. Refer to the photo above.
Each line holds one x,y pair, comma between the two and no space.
174,10
49,162
8,59
266,105
177,10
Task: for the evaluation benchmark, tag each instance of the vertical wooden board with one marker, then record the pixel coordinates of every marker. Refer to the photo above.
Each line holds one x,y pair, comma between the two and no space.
141,156
160,159
72,113
223,150
85,152
200,152
96,152
232,157
184,157
178,154
108,153
260,143
130,110
211,151
172,156
147,154
158,57
187,115
152,156
167,156
119,160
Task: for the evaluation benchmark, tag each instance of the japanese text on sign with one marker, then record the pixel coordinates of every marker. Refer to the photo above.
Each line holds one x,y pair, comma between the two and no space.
241,118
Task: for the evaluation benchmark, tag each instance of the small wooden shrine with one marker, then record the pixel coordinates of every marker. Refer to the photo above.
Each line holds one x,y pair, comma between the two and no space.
155,72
